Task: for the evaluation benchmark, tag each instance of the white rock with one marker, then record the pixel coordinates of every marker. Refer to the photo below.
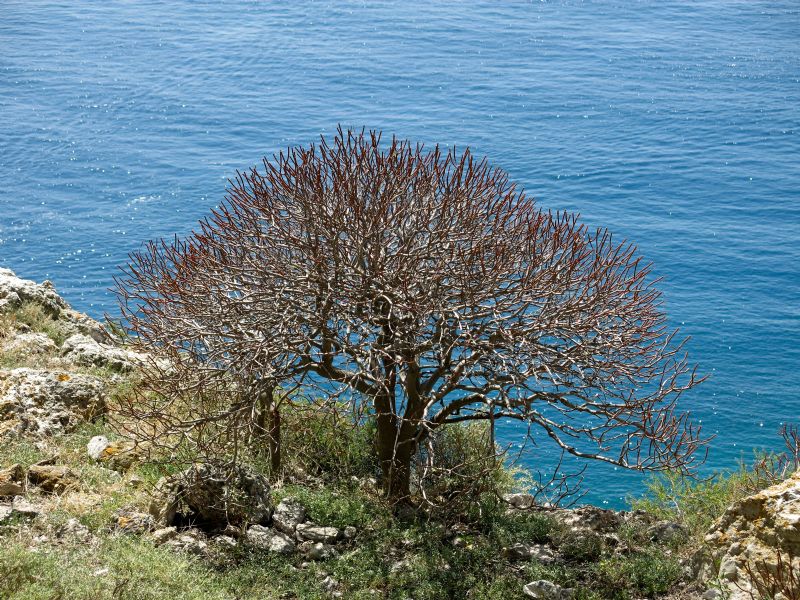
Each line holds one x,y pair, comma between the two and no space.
84,350
546,590
15,291
288,515
164,534
320,551
30,344
96,446
47,402
269,539
315,533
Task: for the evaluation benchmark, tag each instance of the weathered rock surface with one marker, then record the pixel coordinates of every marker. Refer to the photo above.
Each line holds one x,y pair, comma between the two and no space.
118,455
755,531
46,402
288,515
51,478
15,291
547,590
269,539
314,533
12,481
30,343
83,350
212,499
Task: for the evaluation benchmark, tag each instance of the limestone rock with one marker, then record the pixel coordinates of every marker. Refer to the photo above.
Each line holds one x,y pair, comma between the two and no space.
84,350
211,498
23,508
30,344
50,478
667,532
12,481
314,533
520,501
318,550
14,291
537,552
191,541
288,515
269,539
46,402
753,532
164,534
547,590
118,455
131,521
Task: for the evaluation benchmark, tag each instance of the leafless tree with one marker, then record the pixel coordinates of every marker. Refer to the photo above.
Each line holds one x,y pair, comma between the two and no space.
423,284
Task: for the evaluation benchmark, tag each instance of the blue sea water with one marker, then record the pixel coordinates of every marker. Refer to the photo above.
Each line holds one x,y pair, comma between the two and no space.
674,124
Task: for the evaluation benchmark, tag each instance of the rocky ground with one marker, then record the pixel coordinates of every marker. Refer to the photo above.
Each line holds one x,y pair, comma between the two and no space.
70,488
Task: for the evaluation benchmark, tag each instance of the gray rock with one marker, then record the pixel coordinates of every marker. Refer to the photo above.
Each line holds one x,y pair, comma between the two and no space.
131,521
329,584
320,551
520,501
12,481
164,534
52,479
288,515
212,498
269,539
547,590
23,508
84,350
30,344
538,552
42,402
667,532
5,512
315,533
15,291
712,594
349,532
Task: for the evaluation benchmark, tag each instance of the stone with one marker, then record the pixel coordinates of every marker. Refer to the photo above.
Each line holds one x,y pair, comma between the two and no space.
754,531
51,478
119,455
190,541
16,291
30,344
5,512
520,501
133,522
349,532
12,481
314,533
537,552
712,594
288,515
596,519
320,551
547,590
74,529
41,402
667,532
211,499
23,508
164,534
269,539
84,350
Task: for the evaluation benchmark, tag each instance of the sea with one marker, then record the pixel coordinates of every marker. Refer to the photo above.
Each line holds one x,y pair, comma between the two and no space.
674,124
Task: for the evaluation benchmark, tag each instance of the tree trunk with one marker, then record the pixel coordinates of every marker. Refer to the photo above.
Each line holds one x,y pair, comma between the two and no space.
395,451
